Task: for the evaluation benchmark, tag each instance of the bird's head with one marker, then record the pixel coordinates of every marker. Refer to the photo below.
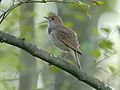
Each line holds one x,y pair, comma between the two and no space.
54,21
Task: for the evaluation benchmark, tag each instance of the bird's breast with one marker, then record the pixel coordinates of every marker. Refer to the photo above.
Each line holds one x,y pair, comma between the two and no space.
57,42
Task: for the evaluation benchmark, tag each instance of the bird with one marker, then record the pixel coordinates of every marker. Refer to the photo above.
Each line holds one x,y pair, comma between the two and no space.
63,38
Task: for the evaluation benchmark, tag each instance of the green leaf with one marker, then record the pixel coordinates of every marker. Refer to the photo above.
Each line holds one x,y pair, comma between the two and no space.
96,32
106,30
69,24
20,67
112,69
97,53
79,16
98,3
43,26
85,7
55,69
106,44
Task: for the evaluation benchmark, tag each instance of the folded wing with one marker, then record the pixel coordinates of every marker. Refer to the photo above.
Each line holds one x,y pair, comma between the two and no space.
69,38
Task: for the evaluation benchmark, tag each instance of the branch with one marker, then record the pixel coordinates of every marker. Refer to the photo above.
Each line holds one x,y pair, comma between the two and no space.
57,61
15,5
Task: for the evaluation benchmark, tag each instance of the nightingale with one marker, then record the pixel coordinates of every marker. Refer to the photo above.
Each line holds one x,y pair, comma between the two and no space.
63,37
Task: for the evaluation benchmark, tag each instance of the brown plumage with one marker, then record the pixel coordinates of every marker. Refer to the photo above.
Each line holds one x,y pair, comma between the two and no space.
62,37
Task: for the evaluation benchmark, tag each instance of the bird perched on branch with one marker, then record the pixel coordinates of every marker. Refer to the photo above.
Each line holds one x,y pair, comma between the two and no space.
62,37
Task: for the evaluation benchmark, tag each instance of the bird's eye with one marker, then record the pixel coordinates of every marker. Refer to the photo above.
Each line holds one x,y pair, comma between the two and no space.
52,18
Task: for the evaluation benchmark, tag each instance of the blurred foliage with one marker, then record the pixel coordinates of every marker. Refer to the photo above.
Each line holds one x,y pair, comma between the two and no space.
97,53
54,69
118,28
106,30
9,56
10,24
42,26
106,44
97,2
103,43
112,69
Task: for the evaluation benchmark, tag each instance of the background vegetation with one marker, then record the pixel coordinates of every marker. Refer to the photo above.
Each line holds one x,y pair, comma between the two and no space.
97,24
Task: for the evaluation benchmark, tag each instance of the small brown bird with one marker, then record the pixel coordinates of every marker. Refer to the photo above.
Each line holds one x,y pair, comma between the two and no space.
62,37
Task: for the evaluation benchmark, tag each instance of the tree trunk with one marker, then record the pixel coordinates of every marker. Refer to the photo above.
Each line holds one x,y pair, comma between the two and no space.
28,75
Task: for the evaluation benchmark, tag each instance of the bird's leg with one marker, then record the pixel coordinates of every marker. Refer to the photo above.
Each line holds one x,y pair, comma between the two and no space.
77,60
65,54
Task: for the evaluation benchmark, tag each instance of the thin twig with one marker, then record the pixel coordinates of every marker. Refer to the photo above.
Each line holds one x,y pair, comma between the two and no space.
13,2
7,12
106,57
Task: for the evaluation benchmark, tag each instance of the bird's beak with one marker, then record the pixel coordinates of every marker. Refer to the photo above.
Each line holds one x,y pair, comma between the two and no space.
46,18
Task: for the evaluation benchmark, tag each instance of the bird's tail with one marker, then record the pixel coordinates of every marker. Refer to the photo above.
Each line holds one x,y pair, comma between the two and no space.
77,60
80,52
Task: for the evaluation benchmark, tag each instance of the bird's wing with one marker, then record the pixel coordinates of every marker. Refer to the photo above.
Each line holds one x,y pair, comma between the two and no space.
69,38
